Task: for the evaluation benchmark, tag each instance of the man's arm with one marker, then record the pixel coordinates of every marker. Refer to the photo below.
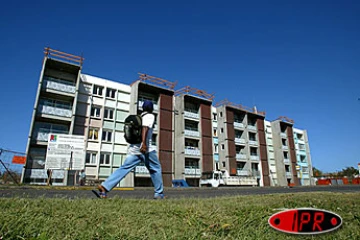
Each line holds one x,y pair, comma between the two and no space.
144,133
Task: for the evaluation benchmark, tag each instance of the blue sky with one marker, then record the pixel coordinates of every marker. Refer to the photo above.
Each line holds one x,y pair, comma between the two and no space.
299,59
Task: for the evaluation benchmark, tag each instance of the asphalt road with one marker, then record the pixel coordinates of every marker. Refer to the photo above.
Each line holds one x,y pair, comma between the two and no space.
171,193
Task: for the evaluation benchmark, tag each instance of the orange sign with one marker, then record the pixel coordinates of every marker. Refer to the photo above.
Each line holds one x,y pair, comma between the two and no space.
19,160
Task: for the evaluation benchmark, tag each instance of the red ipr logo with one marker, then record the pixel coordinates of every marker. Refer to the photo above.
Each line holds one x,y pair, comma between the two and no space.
305,221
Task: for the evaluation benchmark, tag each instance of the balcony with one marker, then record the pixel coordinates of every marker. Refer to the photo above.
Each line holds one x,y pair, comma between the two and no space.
42,134
238,125
192,115
240,156
192,171
253,142
254,158
141,170
283,135
216,157
286,161
241,172
55,111
285,147
59,85
252,127
240,141
192,133
288,174
216,140
192,151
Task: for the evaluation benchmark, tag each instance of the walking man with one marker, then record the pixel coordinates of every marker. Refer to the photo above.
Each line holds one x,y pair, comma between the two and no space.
142,152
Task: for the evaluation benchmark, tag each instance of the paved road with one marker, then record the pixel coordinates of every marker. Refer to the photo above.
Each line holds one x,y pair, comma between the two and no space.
172,193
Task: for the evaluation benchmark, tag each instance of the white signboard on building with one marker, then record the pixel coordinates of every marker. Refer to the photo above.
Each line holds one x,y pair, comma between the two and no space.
65,152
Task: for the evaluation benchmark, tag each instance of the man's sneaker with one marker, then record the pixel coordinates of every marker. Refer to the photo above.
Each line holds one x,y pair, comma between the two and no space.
159,196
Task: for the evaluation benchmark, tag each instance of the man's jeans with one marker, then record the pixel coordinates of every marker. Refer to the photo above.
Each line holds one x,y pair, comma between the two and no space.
151,162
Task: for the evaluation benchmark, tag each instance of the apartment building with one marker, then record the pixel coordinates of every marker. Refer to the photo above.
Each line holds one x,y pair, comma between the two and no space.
242,142
215,138
193,134
303,157
54,108
284,149
161,93
102,107
270,154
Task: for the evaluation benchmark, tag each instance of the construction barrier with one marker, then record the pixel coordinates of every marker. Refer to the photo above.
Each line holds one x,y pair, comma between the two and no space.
11,165
356,181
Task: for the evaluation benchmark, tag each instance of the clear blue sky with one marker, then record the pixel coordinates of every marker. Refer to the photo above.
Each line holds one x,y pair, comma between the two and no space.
299,59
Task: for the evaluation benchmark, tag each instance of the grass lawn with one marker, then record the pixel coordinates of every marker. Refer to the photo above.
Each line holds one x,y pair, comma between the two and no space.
240,217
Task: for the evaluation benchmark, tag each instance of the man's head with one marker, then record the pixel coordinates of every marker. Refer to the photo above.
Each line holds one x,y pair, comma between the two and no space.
148,106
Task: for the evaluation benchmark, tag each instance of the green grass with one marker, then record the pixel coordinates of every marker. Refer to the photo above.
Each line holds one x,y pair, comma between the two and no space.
242,217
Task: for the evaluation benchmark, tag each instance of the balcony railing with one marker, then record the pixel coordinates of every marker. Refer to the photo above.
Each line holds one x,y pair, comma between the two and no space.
254,158
283,135
302,147
192,151
252,127
192,133
141,170
191,115
241,172
59,85
255,173
286,161
216,157
240,156
285,147
253,142
216,140
55,111
238,125
192,171
288,175
43,134
240,140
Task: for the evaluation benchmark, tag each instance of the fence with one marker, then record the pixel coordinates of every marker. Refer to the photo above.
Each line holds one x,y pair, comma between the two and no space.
11,165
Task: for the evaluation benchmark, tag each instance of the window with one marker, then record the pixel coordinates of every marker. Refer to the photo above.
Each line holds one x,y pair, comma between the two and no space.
215,132
97,90
216,148
90,158
105,159
221,114
191,163
286,155
95,112
252,136
240,165
222,130
109,113
110,93
106,135
254,166
283,142
93,134
222,146
223,164
253,151
215,116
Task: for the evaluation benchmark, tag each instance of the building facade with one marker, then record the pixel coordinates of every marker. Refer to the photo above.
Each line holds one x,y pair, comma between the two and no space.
191,133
